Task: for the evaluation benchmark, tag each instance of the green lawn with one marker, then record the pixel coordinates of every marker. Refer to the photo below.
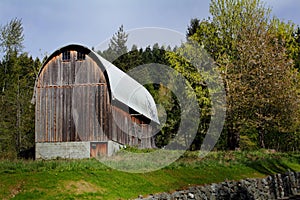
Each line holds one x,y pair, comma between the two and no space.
89,179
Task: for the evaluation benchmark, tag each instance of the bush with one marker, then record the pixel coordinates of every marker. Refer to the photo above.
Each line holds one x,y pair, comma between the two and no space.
247,144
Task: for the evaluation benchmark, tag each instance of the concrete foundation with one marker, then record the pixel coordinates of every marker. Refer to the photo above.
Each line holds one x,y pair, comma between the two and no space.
74,150
113,147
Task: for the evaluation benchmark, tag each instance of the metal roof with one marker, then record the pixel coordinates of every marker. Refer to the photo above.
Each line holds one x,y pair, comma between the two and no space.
128,91
123,88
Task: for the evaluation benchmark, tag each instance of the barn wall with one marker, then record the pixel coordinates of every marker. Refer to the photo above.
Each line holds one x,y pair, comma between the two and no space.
131,130
72,101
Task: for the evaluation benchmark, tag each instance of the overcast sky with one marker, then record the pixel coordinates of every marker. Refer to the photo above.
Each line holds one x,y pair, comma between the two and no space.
50,24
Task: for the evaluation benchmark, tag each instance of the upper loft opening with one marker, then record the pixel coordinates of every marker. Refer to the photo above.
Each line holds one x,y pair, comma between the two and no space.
66,56
80,55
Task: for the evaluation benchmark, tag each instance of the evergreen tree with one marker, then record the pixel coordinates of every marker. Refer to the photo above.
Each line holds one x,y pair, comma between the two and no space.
118,42
18,73
116,48
11,41
193,27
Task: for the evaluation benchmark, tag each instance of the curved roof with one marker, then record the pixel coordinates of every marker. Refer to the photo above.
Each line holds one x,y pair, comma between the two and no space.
123,88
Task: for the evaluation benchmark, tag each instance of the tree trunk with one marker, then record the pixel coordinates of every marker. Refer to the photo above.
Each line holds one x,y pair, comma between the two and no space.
233,138
261,135
18,119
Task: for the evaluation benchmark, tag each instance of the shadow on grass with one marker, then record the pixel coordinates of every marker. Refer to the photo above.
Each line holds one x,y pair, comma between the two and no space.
269,166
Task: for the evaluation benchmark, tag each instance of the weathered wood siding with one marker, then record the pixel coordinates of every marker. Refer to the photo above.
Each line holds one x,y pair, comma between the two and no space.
131,130
72,101
73,104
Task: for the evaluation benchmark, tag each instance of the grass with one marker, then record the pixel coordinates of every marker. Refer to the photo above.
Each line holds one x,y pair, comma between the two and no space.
90,179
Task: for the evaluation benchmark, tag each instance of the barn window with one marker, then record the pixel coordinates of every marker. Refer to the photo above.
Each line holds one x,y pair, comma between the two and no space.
66,56
80,55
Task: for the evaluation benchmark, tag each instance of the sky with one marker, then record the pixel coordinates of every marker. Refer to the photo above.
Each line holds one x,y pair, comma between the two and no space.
50,24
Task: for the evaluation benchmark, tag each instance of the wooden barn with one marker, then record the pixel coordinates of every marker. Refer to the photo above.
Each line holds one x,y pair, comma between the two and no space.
87,107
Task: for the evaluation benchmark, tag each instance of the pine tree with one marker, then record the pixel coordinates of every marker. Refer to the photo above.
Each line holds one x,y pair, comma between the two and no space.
18,73
116,47
118,42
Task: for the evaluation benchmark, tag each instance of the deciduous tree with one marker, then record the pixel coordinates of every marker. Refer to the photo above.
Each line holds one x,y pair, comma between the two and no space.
253,54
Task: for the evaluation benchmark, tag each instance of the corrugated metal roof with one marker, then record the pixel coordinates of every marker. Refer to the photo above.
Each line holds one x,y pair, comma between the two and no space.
123,88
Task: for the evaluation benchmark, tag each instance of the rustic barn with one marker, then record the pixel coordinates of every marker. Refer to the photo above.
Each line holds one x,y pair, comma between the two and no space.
87,107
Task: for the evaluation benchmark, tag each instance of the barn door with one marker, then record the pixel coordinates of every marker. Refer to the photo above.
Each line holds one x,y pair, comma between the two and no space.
98,149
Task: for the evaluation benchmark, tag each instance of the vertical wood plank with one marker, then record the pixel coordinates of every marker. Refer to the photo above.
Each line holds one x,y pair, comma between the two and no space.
59,100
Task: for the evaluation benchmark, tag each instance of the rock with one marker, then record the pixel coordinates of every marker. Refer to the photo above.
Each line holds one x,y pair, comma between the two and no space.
165,196
191,196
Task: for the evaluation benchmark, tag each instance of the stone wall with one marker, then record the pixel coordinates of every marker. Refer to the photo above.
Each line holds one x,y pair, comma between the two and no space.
280,186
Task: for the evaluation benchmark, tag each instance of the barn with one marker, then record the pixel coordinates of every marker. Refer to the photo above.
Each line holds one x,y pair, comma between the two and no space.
87,107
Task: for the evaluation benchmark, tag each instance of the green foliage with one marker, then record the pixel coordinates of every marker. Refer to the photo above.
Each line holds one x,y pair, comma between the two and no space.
117,47
286,34
247,144
254,54
181,62
193,27
17,77
17,112
134,149
12,37
296,58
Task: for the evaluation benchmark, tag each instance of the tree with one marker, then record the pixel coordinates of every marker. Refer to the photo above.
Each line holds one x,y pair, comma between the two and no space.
17,113
116,47
18,73
252,52
182,62
193,27
118,42
296,57
266,84
11,41
12,37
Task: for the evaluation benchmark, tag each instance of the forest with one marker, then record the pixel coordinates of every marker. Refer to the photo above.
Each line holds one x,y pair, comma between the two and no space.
257,55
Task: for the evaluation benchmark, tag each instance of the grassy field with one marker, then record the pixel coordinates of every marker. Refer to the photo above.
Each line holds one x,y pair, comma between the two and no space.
90,179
